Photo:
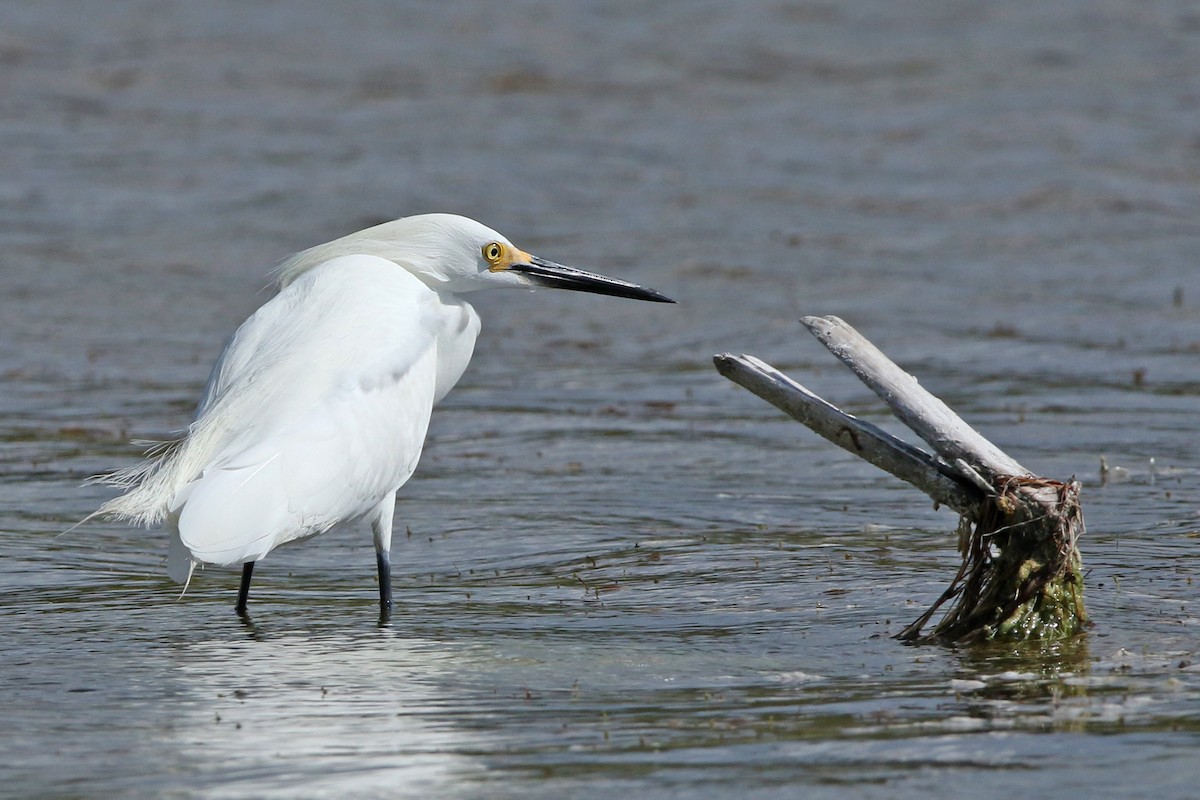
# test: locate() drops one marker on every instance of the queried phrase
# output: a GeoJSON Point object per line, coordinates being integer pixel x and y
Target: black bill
{"type": "Point", "coordinates": [556, 276]}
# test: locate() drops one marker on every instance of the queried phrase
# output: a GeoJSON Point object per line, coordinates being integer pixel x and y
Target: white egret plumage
{"type": "Point", "coordinates": [316, 411]}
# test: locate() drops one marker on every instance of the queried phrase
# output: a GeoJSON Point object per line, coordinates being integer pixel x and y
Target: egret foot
{"type": "Point", "coordinates": [244, 590]}
{"type": "Point", "coordinates": [383, 563]}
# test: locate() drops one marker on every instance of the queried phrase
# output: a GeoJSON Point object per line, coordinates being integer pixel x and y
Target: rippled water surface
{"type": "Point", "coordinates": [616, 572]}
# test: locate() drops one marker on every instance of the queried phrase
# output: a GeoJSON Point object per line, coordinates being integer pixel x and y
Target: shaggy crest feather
{"type": "Point", "coordinates": [418, 244]}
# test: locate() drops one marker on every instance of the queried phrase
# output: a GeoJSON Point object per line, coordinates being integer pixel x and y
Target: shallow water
{"type": "Point", "coordinates": [616, 572]}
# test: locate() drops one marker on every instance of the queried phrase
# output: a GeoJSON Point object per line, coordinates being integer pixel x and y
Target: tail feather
{"type": "Point", "coordinates": [180, 563]}
{"type": "Point", "coordinates": [149, 485]}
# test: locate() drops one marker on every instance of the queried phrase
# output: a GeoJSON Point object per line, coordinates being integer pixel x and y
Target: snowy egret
{"type": "Point", "coordinates": [316, 411]}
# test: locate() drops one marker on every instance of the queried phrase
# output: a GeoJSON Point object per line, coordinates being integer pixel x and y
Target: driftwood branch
{"type": "Point", "coordinates": [869, 442]}
{"type": "Point", "coordinates": [925, 414]}
{"type": "Point", "coordinates": [1021, 574]}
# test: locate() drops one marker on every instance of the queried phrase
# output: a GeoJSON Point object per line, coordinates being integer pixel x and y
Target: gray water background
{"type": "Point", "coordinates": [616, 572]}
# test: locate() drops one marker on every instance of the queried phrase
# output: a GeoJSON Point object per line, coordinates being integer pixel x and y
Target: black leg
{"type": "Point", "coordinates": [244, 591]}
{"type": "Point", "coordinates": [384, 563]}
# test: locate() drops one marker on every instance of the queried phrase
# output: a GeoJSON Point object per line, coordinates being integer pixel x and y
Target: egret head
{"type": "Point", "coordinates": [450, 252]}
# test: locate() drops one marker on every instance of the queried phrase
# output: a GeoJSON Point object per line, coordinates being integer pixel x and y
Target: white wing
{"type": "Point", "coordinates": [316, 411]}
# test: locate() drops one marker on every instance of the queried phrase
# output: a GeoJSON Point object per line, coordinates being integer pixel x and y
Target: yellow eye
{"type": "Point", "coordinates": [493, 252]}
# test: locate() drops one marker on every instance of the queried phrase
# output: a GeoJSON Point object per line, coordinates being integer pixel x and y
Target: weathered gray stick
{"type": "Point", "coordinates": [926, 415]}
{"type": "Point", "coordinates": [867, 441]}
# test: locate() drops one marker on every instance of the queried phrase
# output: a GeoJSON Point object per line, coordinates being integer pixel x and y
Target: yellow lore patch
{"type": "Point", "coordinates": [501, 256]}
